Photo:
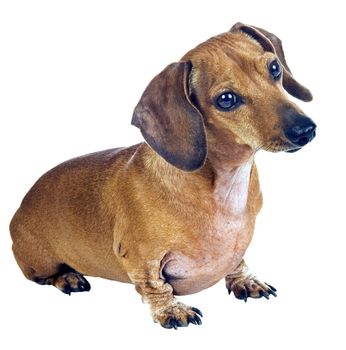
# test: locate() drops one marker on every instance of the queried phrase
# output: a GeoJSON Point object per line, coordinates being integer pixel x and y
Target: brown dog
{"type": "Point", "coordinates": [176, 214]}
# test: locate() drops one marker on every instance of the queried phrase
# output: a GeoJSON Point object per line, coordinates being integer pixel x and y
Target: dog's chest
{"type": "Point", "coordinates": [231, 190]}
{"type": "Point", "coordinates": [221, 243]}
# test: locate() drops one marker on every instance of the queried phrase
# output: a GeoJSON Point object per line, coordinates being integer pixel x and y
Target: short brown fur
{"type": "Point", "coordinates": [176, 214]}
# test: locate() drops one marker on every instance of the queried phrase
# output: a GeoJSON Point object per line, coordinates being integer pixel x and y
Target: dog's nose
{"type": "Point", "coordinates": [302, 131]}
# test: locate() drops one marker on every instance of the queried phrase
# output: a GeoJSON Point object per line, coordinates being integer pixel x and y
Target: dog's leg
{"type": "Point", "coordinates": [64, 277]}
{"type": "Point", "coordinates": [40, 265]}
{"type": "Point", "coordinates": [165, 309]}
{"type": "Point", "coordinates": [246, 285]}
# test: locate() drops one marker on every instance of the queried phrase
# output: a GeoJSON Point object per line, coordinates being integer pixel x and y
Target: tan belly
{"type": "Point", "coordinates": [192, 271]}
{"type": "Point", "coordinates": [188, 275]}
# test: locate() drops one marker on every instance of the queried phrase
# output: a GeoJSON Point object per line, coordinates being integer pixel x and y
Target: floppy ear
{"type": "Point", "coordinates": [272, 43]}
{"type": "Point", "coordinates": [168, 120]}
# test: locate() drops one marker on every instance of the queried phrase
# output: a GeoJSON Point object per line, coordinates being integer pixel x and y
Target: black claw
{"type": "Point", "coordinates": [271, 287]}
{"type": "Point", "coordinates": [180, 323]}
{"type": "Point", "coordinates": [166, 325]}
{"type": "Point", "coordinates": [195, 320]}
{"type": "Point", "coordinates": [191, 319]}
{"type": "Point", "coordinates": [197, 311]}
{"type": "Point", "coordinates": [272, 292]}
{"type": "Point", "coordinates": [87, 286]}
{"type": "Point", "coordinates": [83, 286]}
{"type": "Point", "coordinates": [243, 295]}
{"type": "Point", "coordinates": [263, 294]}
{"type": "Point", "coordinates": [67, 290]}
{"type": "Point", "coordinates": [172, 323]}
{"type": "Point", "coordinates": [198, 320]}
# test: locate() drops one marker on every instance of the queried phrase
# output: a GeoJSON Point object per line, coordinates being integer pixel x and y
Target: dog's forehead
{"type": "Point", "coordinates": [238, 47]}
{"type": "Point", "coordinates": [222, 57]}
{"type": "Point", "coordinates": [237, 41]}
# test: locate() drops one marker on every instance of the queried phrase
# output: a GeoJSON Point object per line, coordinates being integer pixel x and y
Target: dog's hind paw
{"type": "Point", "coordinates": [178, 315]}
{"type": "Point", "coordinates": [70, 282]}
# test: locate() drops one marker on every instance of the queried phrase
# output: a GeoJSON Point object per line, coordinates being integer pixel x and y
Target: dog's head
{"type": "Point", "coordinates": [229, 91]}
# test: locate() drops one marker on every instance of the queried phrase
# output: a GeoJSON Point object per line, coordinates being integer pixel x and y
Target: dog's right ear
{"type": "Point", "coordinates": [168, 120]}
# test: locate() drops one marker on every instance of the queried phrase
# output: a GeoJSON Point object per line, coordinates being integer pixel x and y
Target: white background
{"type": "Point", "coordinates": [71, 74]}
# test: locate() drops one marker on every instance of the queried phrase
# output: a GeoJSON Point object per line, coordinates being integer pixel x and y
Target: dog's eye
{"type": "Point", "coordinates": [228, 100]}
{"type": "Point", "coordinates": [275, 69]}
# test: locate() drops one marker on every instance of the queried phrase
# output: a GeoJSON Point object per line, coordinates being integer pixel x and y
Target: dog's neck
{"type": "Point", "coordinates": [225, 176]}
{"type": "Point", "coordinates": [231, 163]}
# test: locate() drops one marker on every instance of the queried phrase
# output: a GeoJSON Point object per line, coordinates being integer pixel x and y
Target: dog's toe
{"type": "Point", "coordinates": [71, 282]}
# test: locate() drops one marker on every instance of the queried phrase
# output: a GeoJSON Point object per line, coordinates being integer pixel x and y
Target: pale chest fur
{"type": "Point", "coordinates": [231, 189]}
{"type": "Point", "coordinates": [223, 242]}
{"type": "Point", "coordinates": [231, 223]}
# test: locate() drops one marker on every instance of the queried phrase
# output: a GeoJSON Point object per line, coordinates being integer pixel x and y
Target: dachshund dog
{"type": "Point", "coordinates": [175, 214]}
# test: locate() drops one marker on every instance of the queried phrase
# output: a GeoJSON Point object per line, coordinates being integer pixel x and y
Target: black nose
{"type": "Point", "coordinates": [302, 131]}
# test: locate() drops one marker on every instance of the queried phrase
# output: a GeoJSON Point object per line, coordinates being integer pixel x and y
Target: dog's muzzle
{"type": "Point", "coordinates": [301, 131]}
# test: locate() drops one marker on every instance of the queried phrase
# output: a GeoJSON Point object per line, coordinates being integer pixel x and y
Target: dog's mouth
{"type": "Point", "coordinates": [294, 150]}
{"type": "Point", "coordinates": [279, 145]}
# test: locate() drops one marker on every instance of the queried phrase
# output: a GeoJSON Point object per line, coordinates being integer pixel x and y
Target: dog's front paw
{"type": "Point", "coordinates": [249, 287]}
{"type": "Point", "coordinates": [178, 315]}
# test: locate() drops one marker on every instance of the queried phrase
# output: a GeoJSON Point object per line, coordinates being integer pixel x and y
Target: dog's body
{"type": "Point", "coordinates": [177, 216]}
{"type": "Point", "coordinates": [102, 203]}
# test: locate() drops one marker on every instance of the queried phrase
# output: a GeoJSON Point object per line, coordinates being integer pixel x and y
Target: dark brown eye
{"type": "Point", "coordinates": [275, 70]}
{"type": "Point", "coordinates": [227, 101]}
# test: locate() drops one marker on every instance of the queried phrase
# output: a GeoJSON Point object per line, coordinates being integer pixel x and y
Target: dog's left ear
{"type": "Point", "coordinates": [168, 120]}
{"type": "Point", "coordinates": [272, 43]}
